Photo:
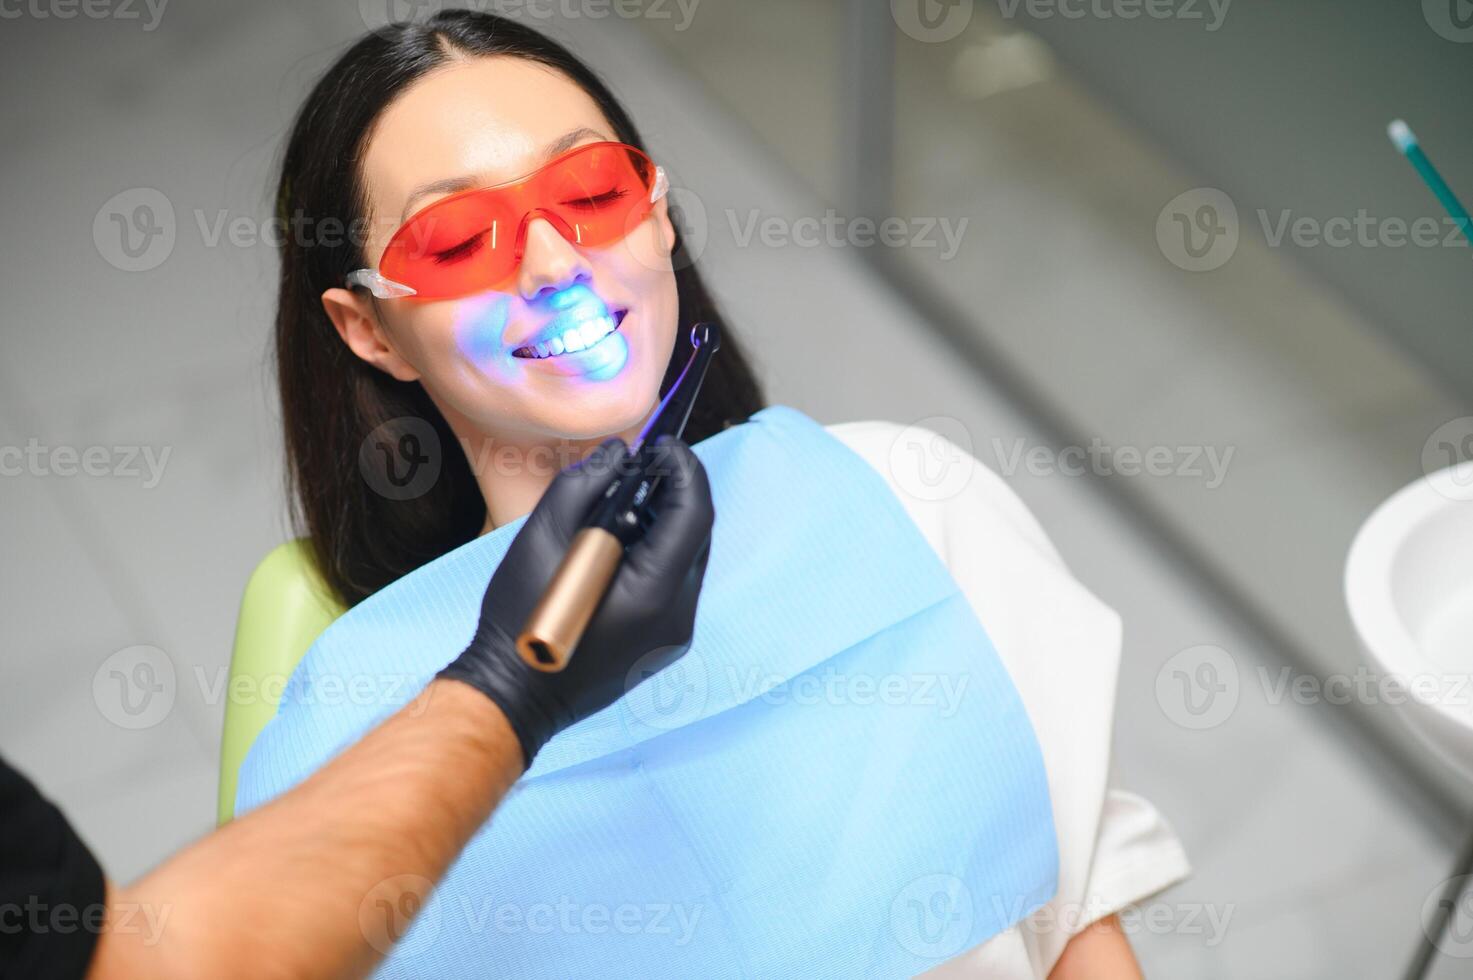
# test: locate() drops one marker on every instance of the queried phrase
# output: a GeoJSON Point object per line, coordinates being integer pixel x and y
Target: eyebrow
{"type": "Point", "coordinates": [562, 144]}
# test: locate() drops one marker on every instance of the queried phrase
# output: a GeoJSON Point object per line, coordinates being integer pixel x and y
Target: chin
{"type": "Point", "coordinates": [610, 409]}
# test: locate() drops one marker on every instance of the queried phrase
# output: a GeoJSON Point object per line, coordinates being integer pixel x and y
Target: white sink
{"type": "Point", "coordinates": [1409, 586]}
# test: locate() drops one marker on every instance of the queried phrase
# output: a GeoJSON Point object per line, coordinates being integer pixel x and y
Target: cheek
{"type": "Point", "coordinates": [645, 271]}
{"type": "Point", "coordinates": [477, 330]}
{"type": "Point", "coordinates": [645, 255]}
{"type": "Point", "coordinates": [451, 342]}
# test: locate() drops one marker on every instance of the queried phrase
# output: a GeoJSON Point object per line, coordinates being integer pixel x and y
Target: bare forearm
{"type": "Point", "coordinates": [297, 887]}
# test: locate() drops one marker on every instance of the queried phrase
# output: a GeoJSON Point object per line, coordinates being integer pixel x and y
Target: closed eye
{"type": "Point", "coordinates": [598, 201]}
{"type": "Point", "coordinates": [457, 252]}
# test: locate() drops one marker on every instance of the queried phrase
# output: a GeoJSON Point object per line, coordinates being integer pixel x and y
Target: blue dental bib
{"type": "Point", "coordinates": [838, 780]}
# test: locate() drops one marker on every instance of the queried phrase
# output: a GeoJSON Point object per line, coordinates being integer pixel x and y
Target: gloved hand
{"type": "Point", "coordinates": [649, 610]}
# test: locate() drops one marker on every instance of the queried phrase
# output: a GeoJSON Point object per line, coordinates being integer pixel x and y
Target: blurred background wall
{"type": "Point", "coordinates": [1050, 286]}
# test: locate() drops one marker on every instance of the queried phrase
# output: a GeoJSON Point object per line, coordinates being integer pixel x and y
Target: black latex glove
{"type": "Point", "coordinates": [648, 612]}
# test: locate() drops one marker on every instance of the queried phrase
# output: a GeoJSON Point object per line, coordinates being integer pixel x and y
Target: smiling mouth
{"type": "Point", "coordinates": [581, 337]}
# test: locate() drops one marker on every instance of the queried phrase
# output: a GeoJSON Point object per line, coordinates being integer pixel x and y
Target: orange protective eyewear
{"type": "Point", "coordinates": [473, 241]}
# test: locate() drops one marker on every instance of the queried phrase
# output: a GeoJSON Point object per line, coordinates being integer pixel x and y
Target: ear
{"type": "Point", "coordinates": [357, 322]}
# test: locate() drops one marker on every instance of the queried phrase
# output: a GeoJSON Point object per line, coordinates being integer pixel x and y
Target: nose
{"type": "Point", "coordinates": [549, 262]}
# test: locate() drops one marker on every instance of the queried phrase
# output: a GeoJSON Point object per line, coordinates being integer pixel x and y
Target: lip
{"type": "Point", "coordinates": [563, 322]}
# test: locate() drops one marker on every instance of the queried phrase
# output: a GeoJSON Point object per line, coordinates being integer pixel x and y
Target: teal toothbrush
{"type": "Point", "coordinates": [1406, 141]}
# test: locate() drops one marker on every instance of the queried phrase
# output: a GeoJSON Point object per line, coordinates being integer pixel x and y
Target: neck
{"type": "Point", "coordinates": [513, 469]}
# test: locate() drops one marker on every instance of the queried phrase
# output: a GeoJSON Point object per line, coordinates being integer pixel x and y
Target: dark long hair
{"type": "Point", "coordinates": [332, 400]}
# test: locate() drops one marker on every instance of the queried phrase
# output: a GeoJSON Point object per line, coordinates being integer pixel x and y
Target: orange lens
{"type": "Point", "coordinates": [472, 241]}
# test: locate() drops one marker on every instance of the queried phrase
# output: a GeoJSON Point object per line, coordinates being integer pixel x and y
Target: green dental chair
{"type": "Point", "coordinates": [285, 608]}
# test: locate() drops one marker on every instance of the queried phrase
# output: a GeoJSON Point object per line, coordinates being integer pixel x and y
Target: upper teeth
{"type": "Point", "coordinates": [580, 337]}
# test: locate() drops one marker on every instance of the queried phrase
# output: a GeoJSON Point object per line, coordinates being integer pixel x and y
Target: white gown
{"type": "Point", "coordinates": [1061, 645]}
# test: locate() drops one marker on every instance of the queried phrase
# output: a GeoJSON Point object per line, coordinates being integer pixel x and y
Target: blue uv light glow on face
{"type": "Point", "coordinates": [597, 354]}
{"type": "Point", "coordinates": [785, 801]}
{"type": "Point", "coordinates": [580, 336]}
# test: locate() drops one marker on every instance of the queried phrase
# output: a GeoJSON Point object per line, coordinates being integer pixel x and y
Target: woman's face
{"type": "Point", "coordinates": [485, 121]}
